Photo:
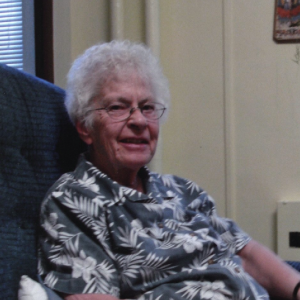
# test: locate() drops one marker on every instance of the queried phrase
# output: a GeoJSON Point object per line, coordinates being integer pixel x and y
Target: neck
{"type": "Point", "coordinates": [131, 180]}
{"type": "Point", "coordinates": [127, 177]}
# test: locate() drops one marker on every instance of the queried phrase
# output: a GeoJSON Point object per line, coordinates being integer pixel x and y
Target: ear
{"type": "Point", "coordinates": [84, 132]}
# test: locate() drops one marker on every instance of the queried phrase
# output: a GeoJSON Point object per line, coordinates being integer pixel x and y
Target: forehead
{"type": "Point", "coordinates": [126, 87]}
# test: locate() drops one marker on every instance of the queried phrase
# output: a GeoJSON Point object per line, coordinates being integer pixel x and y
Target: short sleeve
{"type": "Point", "coordinates": [230, 232]}
{"type": "Point", "coordinates": [227, 229]}
{"type": "Point", "coordinates": [74, 255]}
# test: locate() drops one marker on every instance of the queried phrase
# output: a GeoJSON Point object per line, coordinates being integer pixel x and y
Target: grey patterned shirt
{"type": "Point", "coordinates": [100, 237]}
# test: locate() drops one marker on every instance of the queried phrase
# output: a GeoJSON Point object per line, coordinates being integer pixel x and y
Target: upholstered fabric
{"type": "Point", "coordinates": [295, 264]}
{"type": "Point", "coordinates": [37, 144]}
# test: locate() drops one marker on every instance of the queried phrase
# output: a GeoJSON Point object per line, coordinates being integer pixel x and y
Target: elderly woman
{"type": "Point", "coordinates": [114, 229]}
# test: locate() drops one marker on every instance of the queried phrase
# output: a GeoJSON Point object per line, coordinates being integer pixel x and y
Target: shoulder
{"type": "Point", "coordinates": [179, 184]}
{"type": "Point", "coordinates": [78, 182]}
{"type": "Point", "coordinates": [188, 192]}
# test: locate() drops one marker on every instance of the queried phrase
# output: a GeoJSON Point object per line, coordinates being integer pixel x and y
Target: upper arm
{"type": "Point", "coordinates": [73, 258]}
{"type": "Point", "coordinates": [245, 254]}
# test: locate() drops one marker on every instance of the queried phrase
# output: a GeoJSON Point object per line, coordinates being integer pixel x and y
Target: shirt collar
{"type": "Point", "coordinates": [156, 191]}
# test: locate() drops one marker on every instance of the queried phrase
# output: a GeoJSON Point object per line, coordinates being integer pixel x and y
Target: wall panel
{"type": "Point", "coordinates": [267, 106]}
{"type": "Point", "coordinates": [192, 57]}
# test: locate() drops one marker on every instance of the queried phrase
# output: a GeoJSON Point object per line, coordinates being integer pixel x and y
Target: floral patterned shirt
{"type": "Point", "coordinates": [100, 237]}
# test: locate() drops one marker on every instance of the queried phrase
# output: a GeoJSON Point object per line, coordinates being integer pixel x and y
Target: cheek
{"type": "Point", "coordinates": [110, 143]}
{"type": "Point", "coordinates": [154, 131]}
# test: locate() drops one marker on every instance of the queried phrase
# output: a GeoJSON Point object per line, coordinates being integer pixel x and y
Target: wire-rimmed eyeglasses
{"type": "Point", "coordinates": [120, 112]}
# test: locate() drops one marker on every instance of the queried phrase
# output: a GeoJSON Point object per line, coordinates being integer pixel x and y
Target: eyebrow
{"type": "Point", "coordinates": [106, 101]}
{"type": "Point", "coordinates": [119, 99]}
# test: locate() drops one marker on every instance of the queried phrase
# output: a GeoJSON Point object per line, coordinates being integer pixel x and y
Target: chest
{"type": "Point", "coordinates": [164, 229]}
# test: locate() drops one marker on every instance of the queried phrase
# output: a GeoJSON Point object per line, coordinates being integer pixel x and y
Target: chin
{"type": "Point", "coordinates": [136, 163]}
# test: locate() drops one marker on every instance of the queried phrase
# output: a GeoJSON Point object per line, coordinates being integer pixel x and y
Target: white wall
{"type": "Point", "coordinates": [266, 93]}
{"type": "Point", "coordinates": [192, 57]}
{"type": "Point", "coordinates": [77, 25]}
{"type": "Point", "coordinates": [234, 125]}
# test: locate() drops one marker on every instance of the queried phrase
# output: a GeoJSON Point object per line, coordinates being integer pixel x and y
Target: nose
{"type": "Point", "coordinates": [133, 109]}
{"type": "Point", "coordinates": [136, 117]}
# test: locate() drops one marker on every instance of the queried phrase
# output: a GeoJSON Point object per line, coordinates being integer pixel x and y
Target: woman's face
{"type": "Point", "coordinates": [126, 145]}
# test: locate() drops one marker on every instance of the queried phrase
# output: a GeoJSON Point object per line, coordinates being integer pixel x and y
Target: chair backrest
{"type": "Point", "coordinates": [37, 144]}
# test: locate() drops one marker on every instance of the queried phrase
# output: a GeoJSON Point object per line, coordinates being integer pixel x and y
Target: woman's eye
{"type": "Point", "coordinates": [148, 107]}
{"type": "Point", "coordinates": [116, 107]}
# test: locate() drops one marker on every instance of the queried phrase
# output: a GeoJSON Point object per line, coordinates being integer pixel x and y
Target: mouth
{"type": "Point", "coordinates": [134, 141]}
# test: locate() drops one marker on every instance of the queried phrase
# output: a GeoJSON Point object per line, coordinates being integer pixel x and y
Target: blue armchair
{"type": "Point", "coordinates": [37, 144]}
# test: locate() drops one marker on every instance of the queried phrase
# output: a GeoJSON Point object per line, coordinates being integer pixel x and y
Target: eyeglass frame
{"type": "Point", "coordinates": [131, 111]}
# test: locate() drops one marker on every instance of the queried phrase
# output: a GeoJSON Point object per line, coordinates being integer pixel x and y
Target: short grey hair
{"type": "Point", "coordinates": [91, 71]}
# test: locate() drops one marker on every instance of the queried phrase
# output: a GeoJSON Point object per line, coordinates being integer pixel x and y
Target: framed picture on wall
{"type": "Point", "coordinates": [287, 20]}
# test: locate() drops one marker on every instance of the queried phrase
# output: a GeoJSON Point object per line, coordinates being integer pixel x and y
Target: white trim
{"type": "Point", "coordinates": [229, 113]}
{"type": "Point", "coordinates": [153, 41]}
{"type": "Point", "coordinates": [117, 19]}
{"type": "Point", "coordinates": [152, 25]}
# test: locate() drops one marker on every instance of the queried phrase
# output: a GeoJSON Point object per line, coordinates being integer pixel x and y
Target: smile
{"type": "Point", "coordinates": [134, 141]}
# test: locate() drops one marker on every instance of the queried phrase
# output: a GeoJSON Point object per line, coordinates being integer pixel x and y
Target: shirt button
{"type": "Point", "coordinates": [160, 225]}
{"type": "Point", "coordinates": [237, 270]}
{"type": "Point", "coordinates": [192, 234]}
{"type": "Point", "coordinates": [211, 261]}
